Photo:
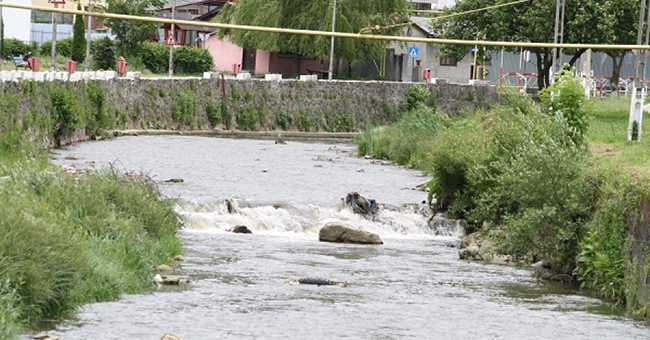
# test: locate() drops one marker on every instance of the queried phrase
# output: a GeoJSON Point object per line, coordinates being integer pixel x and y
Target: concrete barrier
{"type": "Point", "coordinates": [273, 76]}
{"type": "Point", "coordinates": [133, 75]}
{"type": "Point", "coordinates": [309, 77]}
{"type": "Point", "coordinates": [243, 76]}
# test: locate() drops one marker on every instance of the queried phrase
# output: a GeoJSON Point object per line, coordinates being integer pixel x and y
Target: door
{"type": "Point", "coordinates": [248, 62]}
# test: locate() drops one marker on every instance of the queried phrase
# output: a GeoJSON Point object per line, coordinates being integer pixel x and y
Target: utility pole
{"type": "Point", "coordinates": [639, 89]}
{"type": "Point", "coordinates": [2, 33]}
{"type": "Point", "coordinates": [171, 47]}
{"type": "Point", "coordinates": [89, 19]}
{"type": "Point", "coordinates": [559, 37]}
{"type": "Point", "coordinates": [53, 63]}
{"type": "Point", "coordinates": [331, 69]}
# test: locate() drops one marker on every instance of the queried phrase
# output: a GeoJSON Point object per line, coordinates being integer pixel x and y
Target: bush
{"type": "Point", "coordinates": [566, 98]}
{"type": "Point", "coordinates": [155, 57]}
{"type": "Point", "coordinates": [192, 60]}
{"type": "Point", "coordinates": [283, 120]}
{"type": "Point", "coordinates": [247, 118]}
{"type": "Point", "coordinates": [417, 95]}
{"type": "Point", "coordinates": [63, 48]}
{"type": "Point", "coordinates": [104, 54]}
{"type": "Point", "coordinates": [186, 59]}
{"type": "Point", "coordinates": [184, 109]}
{"type": "Point", "coordinates": [14, 47]}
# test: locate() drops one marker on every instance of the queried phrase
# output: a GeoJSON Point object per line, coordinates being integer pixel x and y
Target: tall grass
{"type": "Point", "coordinates": [67, 240]}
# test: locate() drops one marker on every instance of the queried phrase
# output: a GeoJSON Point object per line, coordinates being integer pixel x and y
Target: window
{"type": "Point", "coordinates": [193, 11]}
{"type": "Point", "coordinates": [448, 61]}
{"type": "Point", "coordinates": [422, 6]}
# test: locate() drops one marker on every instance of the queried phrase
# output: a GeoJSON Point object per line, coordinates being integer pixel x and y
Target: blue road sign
{"type": "Point", "coordinates": [413, 51]}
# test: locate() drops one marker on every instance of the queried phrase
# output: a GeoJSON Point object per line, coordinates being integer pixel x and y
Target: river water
{"type": "Point", "coordinates": [411, 287]}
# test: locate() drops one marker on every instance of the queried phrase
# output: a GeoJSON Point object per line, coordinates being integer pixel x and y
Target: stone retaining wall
{"type": "Point", "coordinates": [338, 106]}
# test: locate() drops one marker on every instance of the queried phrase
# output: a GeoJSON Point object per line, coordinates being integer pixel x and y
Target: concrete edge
{"type": "Point", "coordinates": [238, 134]}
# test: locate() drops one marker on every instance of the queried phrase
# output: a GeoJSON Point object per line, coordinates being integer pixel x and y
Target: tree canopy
{"type": "Point", "coordinates": [130, 33]}
{"type": "Point", "coordinates": [585, 21]}
{"type": "Point", "coordinates": [352, 16]}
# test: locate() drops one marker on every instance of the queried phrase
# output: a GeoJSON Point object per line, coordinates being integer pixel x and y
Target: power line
{"type": "Point", "coordinates": [367, 29]}
{"type": "Point", "coordinates": [330, 34]}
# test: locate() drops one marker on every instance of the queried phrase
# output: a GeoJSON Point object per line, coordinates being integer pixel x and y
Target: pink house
{"type": "Point", "coordinates": [229, 57]}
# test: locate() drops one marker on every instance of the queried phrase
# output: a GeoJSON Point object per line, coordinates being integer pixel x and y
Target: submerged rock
{"type": "Point", "coordinates": [241, 229]}
{"type": "Point", "coordinates": [171, 279]}
{"type": "Point", "coordinates": [337, 233]}
{"type": "Point", "coordinates": [318, 281]}
{"type": "Point", "coordinates": [170, 336]}
{"type": "Point", "coordinates": [164, 269]}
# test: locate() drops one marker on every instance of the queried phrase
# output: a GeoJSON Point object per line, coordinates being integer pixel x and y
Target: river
{"type": "Point", "coordinates": [411, 287]}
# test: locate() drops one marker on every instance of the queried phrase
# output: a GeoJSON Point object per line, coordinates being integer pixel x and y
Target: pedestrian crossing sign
{"type": "Point", "coordinates": [414, 51]}
{"type": "Point", "coordinates": [56, 2]}
{"type": "Point", "coordinates": [170, 40]}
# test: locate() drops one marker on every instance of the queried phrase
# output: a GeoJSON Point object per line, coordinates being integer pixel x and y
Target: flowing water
{"type": "Point", "coordinates": [411, 287]}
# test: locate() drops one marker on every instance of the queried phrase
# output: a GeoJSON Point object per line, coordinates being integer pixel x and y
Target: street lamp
{"type": "Point", "coordinates": [329, 74]}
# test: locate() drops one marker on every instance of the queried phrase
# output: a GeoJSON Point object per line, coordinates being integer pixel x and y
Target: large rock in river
{"type": "Point", "coordinates": [333, 232]}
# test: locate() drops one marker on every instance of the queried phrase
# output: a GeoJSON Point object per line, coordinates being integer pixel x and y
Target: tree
{"type": "Point", "coordinates": [586, 21]}
{"type": "Point", "coordinates": [352, 16]}
{"type": "Point", "coordinates": [131, 34]}
{"type": "Point", "coordinates": [79, 38]}
{"type": "Point", "coordinates": [104, 54]}
{"type": "Point", "coordinates": [626, 24]}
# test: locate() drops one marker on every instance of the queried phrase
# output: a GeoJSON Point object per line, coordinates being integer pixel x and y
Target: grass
{"type": "Point", "coordinates": [607, 138]}
{"type": "Point", "coordinates": [67, 240]}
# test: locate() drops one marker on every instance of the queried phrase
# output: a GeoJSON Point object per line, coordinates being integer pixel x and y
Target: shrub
{"type": "Point", "coordinates": [566, 98]}
{"type": "Point", "coordinates": [417, 95]}
{"type": "Point", "coordinates": [155, 57]}
{"type": "Point", "coordinates": [14, 47]}
{"type": "Point", "coordinates": [184, 109]}
{"type": "Point", "coordinates": [247, 118]}
{"type": "Point", "coordinates": [303, 122]}
{"type": "Point", "coordinates": [104, 54]}
{"type": "Point", "coordinates": [213, 111]}
{"type": "Point", "coordinates": [284, 119]}
{"type": "Point", "coordinates": [97, 117]}
{"type": "Point", "coordinates": [65, 112]}
{"type": "Point", "coordinates": [192, 60]}
{"type": "Point", "coordinates": [63, 48]}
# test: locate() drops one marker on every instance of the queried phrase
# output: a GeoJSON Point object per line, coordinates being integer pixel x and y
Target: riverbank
{"type": "Point", "coordinates": [68, 239]}
{"type": "Point", "coordinates": [526, 178]}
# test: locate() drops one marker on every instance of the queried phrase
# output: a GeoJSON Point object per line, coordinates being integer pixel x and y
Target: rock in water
{"type": "Point", "coordinates": [333, 232]}
{"type": "Point", "coordinates": [170, 336]}
{"type": "Point", "coordinates": [241, 229]}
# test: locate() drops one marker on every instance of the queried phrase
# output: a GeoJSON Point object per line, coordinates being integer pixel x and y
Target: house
{"type": "Point", "coordinates": [410, 68]}
{"type": "Point", "coordinates": [16, 21]}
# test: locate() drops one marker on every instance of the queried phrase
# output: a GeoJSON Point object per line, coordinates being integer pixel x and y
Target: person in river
{"type": "Point", "coordinates": [360, 204]}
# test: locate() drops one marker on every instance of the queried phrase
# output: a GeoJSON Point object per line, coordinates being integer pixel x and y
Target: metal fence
{"type": "Point", "coordinates": [41, 33]}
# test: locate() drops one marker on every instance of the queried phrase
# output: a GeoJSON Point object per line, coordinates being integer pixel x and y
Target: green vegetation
{"type": "Point", "coordinates": [66, 239]}
{"type": "Point", "coordinates": [523, 174]}
{"type": "Point", "coordinates": [78, 50]}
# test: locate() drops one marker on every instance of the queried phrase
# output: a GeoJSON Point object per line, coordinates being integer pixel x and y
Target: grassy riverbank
{"type": "Point", "coordinates": [547, 183]}
{"type": "Point", "coordinates": [67, 240]}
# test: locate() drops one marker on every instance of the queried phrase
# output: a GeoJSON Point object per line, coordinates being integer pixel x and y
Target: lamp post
{"type": "Point", "coordinates": [331, 69]}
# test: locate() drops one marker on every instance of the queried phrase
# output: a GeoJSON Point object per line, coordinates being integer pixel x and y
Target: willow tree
{"type": "Point", "coordinates": [352, 16]}
{"type": "Point", "coordinates": [585, 21]}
